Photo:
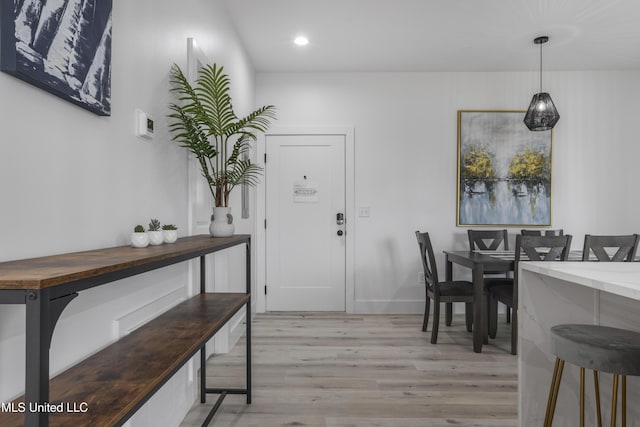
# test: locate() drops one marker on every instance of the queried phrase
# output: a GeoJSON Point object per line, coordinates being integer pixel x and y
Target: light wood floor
{"type": "Point", "coordinates": [341, 370]}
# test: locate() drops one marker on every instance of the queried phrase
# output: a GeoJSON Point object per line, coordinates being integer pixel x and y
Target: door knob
{"type": "Point", "coordinates": [340, 232]}
{"type": "Point", "coordinates": [340, 218]}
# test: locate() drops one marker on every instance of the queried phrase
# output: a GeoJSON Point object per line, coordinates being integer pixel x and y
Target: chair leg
{"type": "Point", "coordinates": [614, 400]}
{"type": "Point", "coordinates": [514, 330]}
{"type": "Point", "coordinates": [596, 386]}
{"type": "Point", "coordinates": [436, 321]}
{"type": "Point", "coordinates": [448, 314]}
{"type": "Point", "coordinates": [425, 322]}
{"type": "Point", "coordinates": [492, 316]}
{"type": "Point", "coordinates": [553, 392]}
{"type": "Point", "coordinates": [468, 315]}
{"type": "Point", "coordinates": [508, 313]}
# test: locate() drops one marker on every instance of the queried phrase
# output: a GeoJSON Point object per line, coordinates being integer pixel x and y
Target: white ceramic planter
{"type": "Point", "coordinates": [221, 222]}
{"type": "Point", "coordinates": [156, 237]}
{"type": "Point", "coordinates": [139, 240]}
{"type": "Point", "coordinates": [170, 236]}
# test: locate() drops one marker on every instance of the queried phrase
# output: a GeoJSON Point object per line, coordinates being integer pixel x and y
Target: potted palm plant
{"type": "Point", "coordinates": [203, 122]}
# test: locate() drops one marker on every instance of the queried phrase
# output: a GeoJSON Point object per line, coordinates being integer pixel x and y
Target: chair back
{"type": "Point", "coordinates": [488, 240]}
{"type": "Point", "coordinates": [539, 248]}
{"type": "Point", "coordinates": [542, 248]}
{"type": "Point", "coordinates": [428, 261]}
{"type": "Point", "coordinates": [625, 247]}
{"type": "Point", "coordinates": [558, 232]}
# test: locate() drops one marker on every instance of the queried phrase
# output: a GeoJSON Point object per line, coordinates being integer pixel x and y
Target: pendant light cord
{"type": "Point", "coordinates": [540, 67]}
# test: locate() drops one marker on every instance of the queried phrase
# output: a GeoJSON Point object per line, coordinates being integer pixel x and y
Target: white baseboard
{"type": "Point", "coordinates": [389, 307]}
{"type": "Point", "coordinates": [237, 328]}
{"type": "Point", "coordinates": [403, 307]}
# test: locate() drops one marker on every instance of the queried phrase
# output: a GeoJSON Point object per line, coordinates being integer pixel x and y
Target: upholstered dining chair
{"type": "Point", "coordinates": [528, 248]}
{"type": "Point", "coordinates": [610, 248]}
{"type": "Point", "coordinates": [441, 291]}
{"type": "Point", "coordinates": [491, 240]}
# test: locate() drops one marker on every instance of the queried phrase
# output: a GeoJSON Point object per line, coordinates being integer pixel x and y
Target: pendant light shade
{"type": "Point", "coordinates": [542, 114]}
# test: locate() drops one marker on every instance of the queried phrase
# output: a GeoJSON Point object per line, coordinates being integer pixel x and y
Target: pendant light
{"type": "Point", "coordinates": [542, 114]}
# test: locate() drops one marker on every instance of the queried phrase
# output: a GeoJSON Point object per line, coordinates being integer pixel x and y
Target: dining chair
{"type": "Point", "coordinates": [441, 291]}
{"type": "Point", "coordinates": [491, 240]}
{"type": "Point", "coordinates": [488, 240]}
{"type": "Point", "coordinates": [528, 248]}
{"type": "Point", "coordinates": [610, 248]}
{"type": "Point", "coordinates": [547, 232]}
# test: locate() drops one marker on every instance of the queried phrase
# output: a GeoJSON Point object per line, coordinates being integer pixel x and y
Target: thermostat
{"type": "Point", "coordinates": [144, 124]}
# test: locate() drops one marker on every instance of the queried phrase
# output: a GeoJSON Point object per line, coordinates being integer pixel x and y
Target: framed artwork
{"type": "Point", "coordinates": [504, 170]}
{"type": "Point", "coordinates": [61, 46]}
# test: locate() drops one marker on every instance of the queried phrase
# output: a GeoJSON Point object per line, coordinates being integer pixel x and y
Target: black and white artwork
{"type": "Point", "coordinates": [61, 46]}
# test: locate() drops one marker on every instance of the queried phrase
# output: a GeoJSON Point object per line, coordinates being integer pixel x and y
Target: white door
{"type": "Point", "coordinates": [305, 240]}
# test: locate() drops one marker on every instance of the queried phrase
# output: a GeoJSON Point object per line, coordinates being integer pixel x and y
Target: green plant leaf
{"type": "Point", "coordinates": [203, 122]}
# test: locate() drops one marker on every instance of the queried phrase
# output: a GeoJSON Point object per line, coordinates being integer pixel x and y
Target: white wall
{"type": "Point", "coordinates": [71, 180]}
{"type": "Point", "coordinates": [405, 162]}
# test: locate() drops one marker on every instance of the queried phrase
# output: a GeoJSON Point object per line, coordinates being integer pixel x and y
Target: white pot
{"type": "Point", "coordinates": [170, 236]}
{"type": "Point", "coordinates": [156, 237]}
{"type": "Point", "coordinates": [139, 240]}
{"type": "Point", "coordinates": [221, 222]}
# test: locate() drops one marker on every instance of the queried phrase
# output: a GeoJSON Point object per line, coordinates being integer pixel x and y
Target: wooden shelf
{"type": "Point", "coordinates": [55, 270]}
{"type": "Point", "coordinates": [116, 381]}
{"type": "Point", "coordinates": [119, 379]}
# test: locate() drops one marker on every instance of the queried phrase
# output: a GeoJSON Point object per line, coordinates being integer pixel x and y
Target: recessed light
{"type": "Point", "coordinates": [301, 41]}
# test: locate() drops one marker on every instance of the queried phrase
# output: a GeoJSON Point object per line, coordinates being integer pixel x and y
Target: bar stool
{"type": "Point", "coordinates": [599, 348]}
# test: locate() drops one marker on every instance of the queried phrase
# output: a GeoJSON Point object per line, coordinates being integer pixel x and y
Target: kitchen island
{"type": "Point", "coordinates": [552, 293]}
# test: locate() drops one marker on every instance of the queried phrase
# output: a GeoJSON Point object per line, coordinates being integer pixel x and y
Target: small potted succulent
{"type": "Point", "coordinates": [170, 233]}
{"type": "Point", "coordinates": [139, 237]}
{"type": "Point", "coordinates": [155, 233]}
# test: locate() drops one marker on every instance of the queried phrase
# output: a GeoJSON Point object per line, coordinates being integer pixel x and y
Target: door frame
{"type": "Point", "coordinates": [260, 237]}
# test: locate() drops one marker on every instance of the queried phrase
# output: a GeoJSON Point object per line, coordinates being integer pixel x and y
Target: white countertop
{"type": "Point", "coordinates": [619, 278]}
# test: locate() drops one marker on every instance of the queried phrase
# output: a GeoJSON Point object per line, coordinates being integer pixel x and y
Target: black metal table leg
{"type": "Point", "coordinates": [37, 356]}
{"type": "Point", "coordinates": [248, 320]}
{"type": "Point", "coordinates": [42, 314]}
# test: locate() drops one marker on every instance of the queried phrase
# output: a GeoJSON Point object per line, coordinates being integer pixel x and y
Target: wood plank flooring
{"type": "Point", "coordinates": [344, 370]}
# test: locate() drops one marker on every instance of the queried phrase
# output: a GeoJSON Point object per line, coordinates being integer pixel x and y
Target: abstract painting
{"type": "Point", "coordinates": [504, 170]}
{"type": "Point", "coordinates": [61, 46]}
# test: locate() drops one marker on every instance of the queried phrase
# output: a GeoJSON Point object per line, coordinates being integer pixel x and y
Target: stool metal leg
{"type": "Point", "coordinates": [614, 400]}
{"type": "Point", "coordinates": [581, 397]}
{"type": "Point", "coordinates": [596, 385]}
{"type": "Point", "coordinates": [624, 401]}
{"type": "Point", "coordinates": [553, 392]}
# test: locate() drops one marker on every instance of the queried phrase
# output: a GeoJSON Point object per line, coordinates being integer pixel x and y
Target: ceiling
{"type": "Point", "coordinates": [438, 35]}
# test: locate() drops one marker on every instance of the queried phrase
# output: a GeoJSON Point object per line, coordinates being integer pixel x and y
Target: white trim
{"type": "Point", "coordinates": [350, 210]}
{"type": "Point", "coordinates": [195, 55]}
{"type": "Point", "coordinates": [389, 307]}
{"type": "Point", "coordinates": [139, 316]}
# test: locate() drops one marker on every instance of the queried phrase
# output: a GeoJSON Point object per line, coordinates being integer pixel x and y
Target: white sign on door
{"type": "Point", "coordinates": [305, 192]}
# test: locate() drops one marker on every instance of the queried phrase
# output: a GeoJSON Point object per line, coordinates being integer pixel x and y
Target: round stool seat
{"type": "Point", "coordinates": [600, 348]}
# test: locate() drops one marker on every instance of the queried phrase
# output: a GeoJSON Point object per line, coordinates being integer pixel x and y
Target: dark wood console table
{"type": "Point", "coordinates": [108, 387]}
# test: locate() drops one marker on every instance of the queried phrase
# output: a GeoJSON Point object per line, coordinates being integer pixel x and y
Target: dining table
{"type": "Point", "coordinates": [479, 262]}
